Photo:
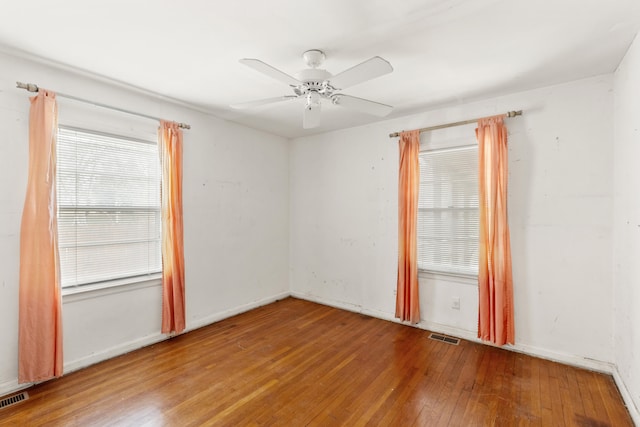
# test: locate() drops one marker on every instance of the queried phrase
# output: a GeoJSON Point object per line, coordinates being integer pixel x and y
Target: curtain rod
{"type": "Point", "coordinates": [34, 88]}
{"type": "Point", "coordinates": [464, 122]}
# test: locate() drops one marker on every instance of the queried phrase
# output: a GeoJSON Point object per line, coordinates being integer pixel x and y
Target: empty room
{"type": "Point", "coordinates": [291, 213]}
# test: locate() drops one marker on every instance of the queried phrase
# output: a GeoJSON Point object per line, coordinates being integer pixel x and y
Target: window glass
{"type": "Point", "coordinates": [448, 211]}
{"type": "Point", "coordinates": [109, 223]}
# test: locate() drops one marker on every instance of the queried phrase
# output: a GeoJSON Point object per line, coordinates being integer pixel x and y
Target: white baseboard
{"type": "Point", "coordinates": [112, 352]}
{"type": "Point", "coordinates": [626, 396]}
{"type": "Point", "coordinates": [9, 387]}
{"type": "Point", "coordinates": [567, 359]}
{"type": "Point", "coordinates": [156, 338]}
{"type": "Point", "coordinates": [12, 386]}
{"type": "Point", "coordinates": [234, 311]}
{"type": "Point", "coordinates": [330, 302]}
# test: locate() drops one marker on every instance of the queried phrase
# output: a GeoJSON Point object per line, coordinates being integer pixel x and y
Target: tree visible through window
{"type": "Point", "coordinates": [109, 223]}
{"type": "Point", "coordinates": [448, 211]}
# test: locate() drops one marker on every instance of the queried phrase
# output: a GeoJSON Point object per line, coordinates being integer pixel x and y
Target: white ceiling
{"type": "Point", "coordinates": [443, 51]}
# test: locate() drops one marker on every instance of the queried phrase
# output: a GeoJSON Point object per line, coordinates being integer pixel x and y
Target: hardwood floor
{"type": "Point", "coordinates": [296, 363]}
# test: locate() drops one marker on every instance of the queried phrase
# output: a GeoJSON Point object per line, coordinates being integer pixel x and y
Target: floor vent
{"type": "Point", "coordinates": [13, 399]}
{"type": "Point", "coordinates": [448, 340]}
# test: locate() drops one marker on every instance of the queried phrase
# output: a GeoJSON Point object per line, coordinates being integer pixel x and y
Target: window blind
{"type": "Point", "coordinates": [109, 224]}
{"type": "Point", "coordinates": [448, 211]}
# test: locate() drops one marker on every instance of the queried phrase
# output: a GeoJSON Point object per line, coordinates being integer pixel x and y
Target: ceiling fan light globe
{"type": "Point", "coordinates": [313, 100]}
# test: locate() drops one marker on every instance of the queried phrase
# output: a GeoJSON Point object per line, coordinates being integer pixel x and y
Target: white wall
{"type": "Point", "coordinates": [325, 208]}
{"type": "Point", "coordinates": [235, 215]}
{"type": "Point", "coordinates": [344, 220]}
{"type": "Point", "coordinates": [626, 227]}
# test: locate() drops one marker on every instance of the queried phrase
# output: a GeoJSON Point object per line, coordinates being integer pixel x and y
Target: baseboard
{"type": "Point", "coordinates": [12, 386]}
{"type": "Point", "coordinates": [112, 352]}
{"type": "Point", "coordinates": [626, 396]}
{"type": "Point", "coordinates": [205, 321]}
{"type": "Point", "coordinates": [567, 359]}
{"type": "Point", "coordinates": [9, 387]}
{"type": "Point", "coordinates": [331, 303]}
{"type": "Point", "coordinates": [156, 338]}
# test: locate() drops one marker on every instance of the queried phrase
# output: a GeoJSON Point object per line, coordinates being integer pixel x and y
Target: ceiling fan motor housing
{"type": "Point", "coordinates": [314, 80]}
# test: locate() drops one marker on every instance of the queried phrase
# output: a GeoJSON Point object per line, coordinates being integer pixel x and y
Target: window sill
{"type": "Point", "coordinates": [465, 279]}
{"type": "Point", "coordinates": [81, 292]}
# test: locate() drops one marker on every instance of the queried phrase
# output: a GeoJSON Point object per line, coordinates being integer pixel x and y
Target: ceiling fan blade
{"type": "Point", "coordinates": [260, 102]}
{"type": "Point", "coordinates": [362, 105]}
{"type": "Point", "coordinates": [367, 70]}
{"type": "Point", "coordinates": [268, 70]}
{"type": "Point", "coordinates": [311, 116]}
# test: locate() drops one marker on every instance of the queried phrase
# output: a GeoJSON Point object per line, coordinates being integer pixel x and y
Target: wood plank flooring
{"type": "Point", "coordinates": [296, 363]}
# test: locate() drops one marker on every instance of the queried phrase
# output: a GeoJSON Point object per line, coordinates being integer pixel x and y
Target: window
{"type": "Point", "coordinates": [109, 224]}
{"type": "Point", "coordinates": [448, 211]}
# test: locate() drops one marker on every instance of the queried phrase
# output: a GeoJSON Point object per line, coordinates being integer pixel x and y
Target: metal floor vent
{"type": "Point", "coordinates": [13, 399]}
{"type": "Point", "coordinates": [448, 340]}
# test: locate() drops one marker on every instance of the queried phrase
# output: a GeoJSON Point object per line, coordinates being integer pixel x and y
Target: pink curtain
{"type": "Point", "coordinates": [495, 284]}
{"type": "Point", "coordinates": [40, 305]}
{"type": "Point", "coordinates": [407, 301]}
{"type": "Point", "coordinates": [173, 298]}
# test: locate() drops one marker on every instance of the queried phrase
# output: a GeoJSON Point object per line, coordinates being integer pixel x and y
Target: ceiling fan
{"type": "Point", "coordinates": [315, 84]}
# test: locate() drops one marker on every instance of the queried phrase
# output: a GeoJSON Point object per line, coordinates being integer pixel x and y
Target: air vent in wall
{"type": "Point", "coordinates": [17, 398]}
{"type": "Point", "coordinates": [448, 340]}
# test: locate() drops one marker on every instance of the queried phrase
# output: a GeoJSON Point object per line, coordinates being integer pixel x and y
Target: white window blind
{"type": "Point", "coordinates": [109, 224]}
{"type": "Point", "coordinates": [448, 211]}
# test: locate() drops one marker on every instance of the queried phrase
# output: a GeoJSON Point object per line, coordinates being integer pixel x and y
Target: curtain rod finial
{"type": "Point", "coordinates": [28, 86]}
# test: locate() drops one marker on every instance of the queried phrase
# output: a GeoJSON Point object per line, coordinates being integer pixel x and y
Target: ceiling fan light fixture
{"type": "Point", "coordinates": [313, 100]}
{"type": "Point", "coordinates": [311, 113]}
